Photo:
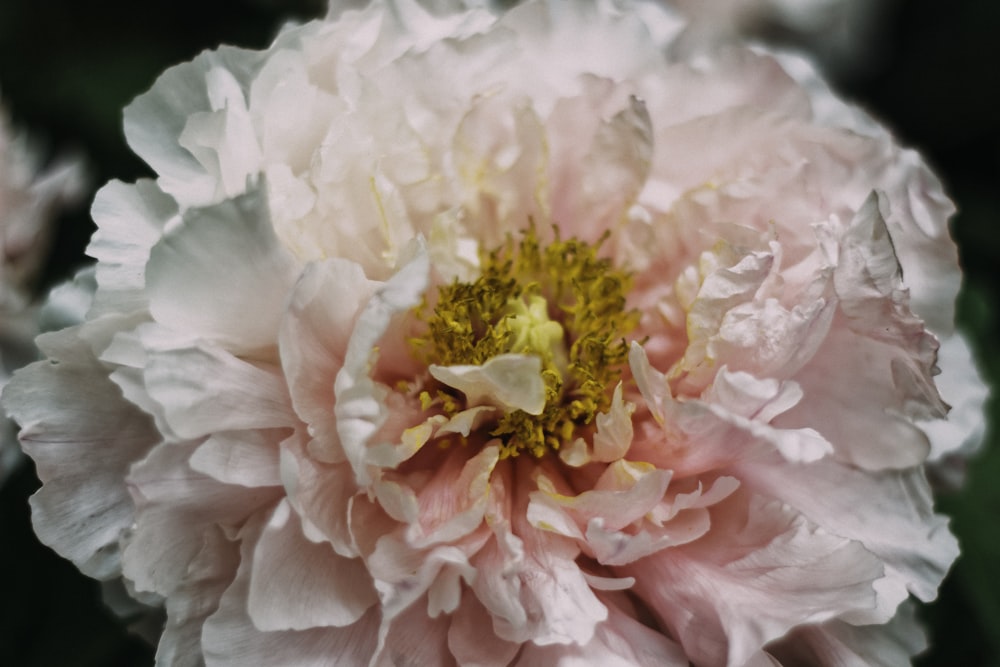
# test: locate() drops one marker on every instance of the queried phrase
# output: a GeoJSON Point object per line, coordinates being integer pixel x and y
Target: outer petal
{"type": "Point", "coordinates": [839, 644]}
{"type": "Point", "coordinates": [208, 576]}
{"type": "Point", "coordinates": [747, 585]}
{"type": "Point", "coordinates": [414, 638]}
{"type": "Point", "coordinates": [83, 437]}
{"type": "Point", "coordinates": [130, 220]}
{"type": "Point", "coordinates": [229, 637]}
{"type": "Point", "coordinates": [296, 584]}
{"type": "Point", "coordinates": [245, 458]}
{"type": "Point", "coordinates": [963, 388]}
{"type": "Point", "coordinates": [235, 297]}
{"type": "Point", "coordinates": [175, 506]}
{"type": "Point", "coordinates": [204, 390]}
{"type": "Point", "coordinates": [899, 514]}
{"type": "Point", "coordinates": [155, 121]}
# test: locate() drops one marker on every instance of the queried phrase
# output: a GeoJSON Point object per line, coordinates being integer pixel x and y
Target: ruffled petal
{"type": "Point", "coordinates": [324, 306]}
{"type": "Point", "coordinates": [235, 298]}
{"type": "Point", "coordinates": [727, 596]}
{"type": "Point", "coordinates": [155, 121]}
{"type": "Point", "coordinates": [209, 574]}
{"type": "Point", "coordinates": [82, 449]}
{"type": "Point", "coordinates": [899, 514]}
{"type": "Point", "coordinates": [175, 505]}
{"type": "Point", "coordinates": [229, 637]}
{"type": "Point", "coordinates": [959, 436]}
{"type": "Point", "coordinates": [358, 409]}
{"type": "Point", "coordinates": [621, 641]}
{"type": "Point", "coordinates": [472, 640]}
{"type": "Point", "coordinates": [844, 645]}
{"type": "Point", "coordinates": [130, 220]}
{"type": "Point", "coordinates": [204, 390]}
{"type": "Point", "coordinates": [244, 458]}
{"type": "Point", "coordinates": [509, 381]}
{"type": "Point", "coordinates": [296, 584]}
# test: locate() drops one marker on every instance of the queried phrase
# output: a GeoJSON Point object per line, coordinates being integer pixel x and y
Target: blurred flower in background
{"type": "Point", "coordinates": [496, 338]}
{"type": "Point", "coordinates": [30, 196]}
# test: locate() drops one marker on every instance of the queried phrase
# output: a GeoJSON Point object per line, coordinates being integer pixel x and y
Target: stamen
{"type": "Point", "coordinates": [560, 302]}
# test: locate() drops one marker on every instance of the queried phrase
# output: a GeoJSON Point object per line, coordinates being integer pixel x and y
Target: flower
{"type": "Point", "coordinates": [447, 336]}
{"type": "Point", "coordinates": [29, 198]}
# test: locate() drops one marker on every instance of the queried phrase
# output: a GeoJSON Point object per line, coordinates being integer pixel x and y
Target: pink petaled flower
{"type": "Point", "coordinates": [29, 198]}
{"type": "Point", "coordinates": [461, 337]}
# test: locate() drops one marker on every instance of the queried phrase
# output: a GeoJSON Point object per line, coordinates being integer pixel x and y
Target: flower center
{"type": "Point", "coordinates": [560, 303]}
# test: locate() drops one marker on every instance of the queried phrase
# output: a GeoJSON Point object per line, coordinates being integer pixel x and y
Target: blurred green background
{"type": "Point", "coordinates": [67, 68]}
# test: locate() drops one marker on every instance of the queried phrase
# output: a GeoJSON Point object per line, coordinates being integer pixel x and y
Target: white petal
{"type": "Point", "coordinates": [205, 390]}
{"type": "Point", "coordinates": [223, 140]}
{"type": "Point", "coordinates": [532, 584]}
{"type": "Point", "coordinates": [898, 514]}
{"type": "Point", "coordinates": [83, 437]}
{"type": "Point", "coordinates": [614, 429]}
{"type": "Point", "coordinates": [962, 386]}
{"type": "Point", "coordinates": [508, 381]}
{"type": "Point", "coordinates": [404, 574]}
{"type": "Point", "coordinates": [750, 404]}
{"type": "Point", "coordinates": [130, 220]}
{"type": "Point", "coordinates": [598, 166]}
{"type": "Point", "coordinates": [175, 505]}
{"type": "Point", "coordinates": [853, 375]}
{"type": "Point", "coordinates": [246, 458]}
{"type": "Point", "coordinates": [208, 576]}
{"type": "Point", "coordinates": [155, 120]}
{"type": "Point", "coordinates": [471, 638]}
{"type": "Point", "coordinates": [235, 296]}
{"type": "Point", "coordinates": [322, 494]}
{"type": "Point", "coordinates": [296, 584]}
{"type": "Point", "coordinates": [838, 643]}
{"type": "Point", "coordinates": [229, 638]}
{"type": "Point", "coordinates": [624, 493]}
{"type": "Point", "coordinates": [414, 638]}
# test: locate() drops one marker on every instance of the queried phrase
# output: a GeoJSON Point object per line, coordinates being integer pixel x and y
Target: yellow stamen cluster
{"type": "Point", "coordinates": [560, 302]}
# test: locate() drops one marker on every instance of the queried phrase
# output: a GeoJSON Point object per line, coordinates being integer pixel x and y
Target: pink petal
{"type": "Point", "coordinates": [313, 340]}
{"type": "Point", "coordinates": [620, 641]}
{"type": "Point", "coordinates": [472, 640]}
{"type": "Point", "coordinates": [748, 584]}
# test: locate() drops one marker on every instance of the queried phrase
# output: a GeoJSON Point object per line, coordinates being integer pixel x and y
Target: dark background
{"type": "Point", "coordinates": [67, 68]}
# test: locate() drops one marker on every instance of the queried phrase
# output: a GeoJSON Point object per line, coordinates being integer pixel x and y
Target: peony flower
{"type": "Point", "coordinates": [29, 197]}
{"type": "Point", "coordinates": [446, 336]}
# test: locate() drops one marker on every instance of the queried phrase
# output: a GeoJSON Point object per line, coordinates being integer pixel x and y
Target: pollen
{"type": "Point", "coordinates": [561, 302]}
